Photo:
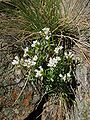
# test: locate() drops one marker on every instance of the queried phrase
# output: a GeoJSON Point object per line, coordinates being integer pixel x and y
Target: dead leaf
{"type": "Point", "coordinates": [27, 99]}
{"type": "Point", "coordinates": [14, 95]}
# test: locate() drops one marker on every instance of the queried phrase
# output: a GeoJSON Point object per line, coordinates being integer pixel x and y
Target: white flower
{"type": "Point", "coordinates": [57, 49]}
{"type": "Point", "coordinates": [16, 57]}
{"type": "Point", "coordinates": [58, 58]}
{"type": "Point", "coordinates": [64, 78]}
{"type": "Point", "coordinates": [16, 61]}
{"type": "Point", "coordinates": [26, 49]}
{"type": "Point", "coordinates": [35, 58]}
{"type": "Point", "coordinates": [39, 72]}
{"type": "Point", "coordinates": [60, 75]}
{"type": "Point", "coordinates": [46, 30]}
{"type": "Point", "coordinates": [25, 52]}
{"type": "Point", "coordinates": [40, 67]}
{"type": "Point", "coordinates": [33, 63]}
{"type": "Point", "coordinates": [68, 75]}
{"type": "Point", "coordinates": [21, 61]}
{"type": "Point", "coordinates": [27, 62]}
{"type": "Point", "coordinates": [47, 33]}
{"type": "Point", "coordinates": [55, 60]}
{"type": "Point", "coordinates": [35, 43]}
{"type": "Point", "coordinates": [68, 55]}
{"type": "Point", "coordinates": [47, 37]}
{"type": "Point", "coordinates": [71, 54]}
{"type": "Point", "coordinates": [65, 54]}
{"type": "Point", "coordinates": [52, 62]}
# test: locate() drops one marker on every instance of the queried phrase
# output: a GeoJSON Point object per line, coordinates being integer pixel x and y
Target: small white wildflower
{"type": "Point", "coordinates": [68, 55]}
{"type": "Point", "coordinates": [27, 62]}
{"type": "Point", "coordinates": [16, 57]}
{"type": "Point", "coordinates": [64, 78]}
{"type": "Point", "coordinates": [58, 58]}
{"type": "Point", "coordinates": [65, 54]}
{"type": "Point", "coordinates": [25, 51]}
{"type": "Point", "coordinates": [16, 61]}
{"type": "Point", "coordinates": [35, 43]}
{"type": "Point", "coordinates": [57, 49]}
{"type": "Point", "coordinates": [39, 72]}
{"type": "Point", "coordinates": [40, 67]}
{"type": "Point", "coordinates": [55, 60]}
{"type": "Point", "coordinates": [46, 30]}
{"type": "Point", "coordinates": [33, 63]}
{"type": "Point", "coordinates": [52, 62]}
{"type": "Point", "coordinates": [47, 37]}
{"type": "Point", "coordinates": [60, 75]}
{"type": "Point", "coordinates": [71, 54]}
{"type": "Point", "coordinates": [35, 58]}
{"type": "Point", "coordinates": [68, 75]}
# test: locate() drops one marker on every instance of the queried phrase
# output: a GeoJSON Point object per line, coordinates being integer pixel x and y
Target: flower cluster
{"type": "Point", "coordinates": [26, 62]}
{"type": "Point", "coordinates": [15, 61]}
{"type": "Point", "coordinates": [57, 49]}
{"type": "Point", "coordinates": [53, 65]}
{"type": "Point", "coordinates": [53, 61]}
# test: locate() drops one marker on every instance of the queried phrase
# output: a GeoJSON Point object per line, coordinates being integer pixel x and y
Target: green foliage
{"type": "Point", "coordinates": [40, 13]}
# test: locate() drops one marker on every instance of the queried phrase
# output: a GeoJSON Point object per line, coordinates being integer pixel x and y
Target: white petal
{"type": "Point", "coordinates": [33, 45]}
{"type": "Point", "coordinates": [15, 62]}
{"type": "Point", "coordinates": [35, 58]}
{"type": "Point", "coordinates": [33, 63]}
{"type": "Point", "coordinates": [68, 75]}
{"type": "Point", "coordinates": [60, 75]}
{"type": "Point", "coordinates": [16, 57]}
{"type": "Point", "coordinates": [65, 54]}
{"type": "Point", "coordinates": [58, 58]}
{"type": "Point", "coordinates": [47, 37]}
{"type": "Point", "coordinates": [26, 49]}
